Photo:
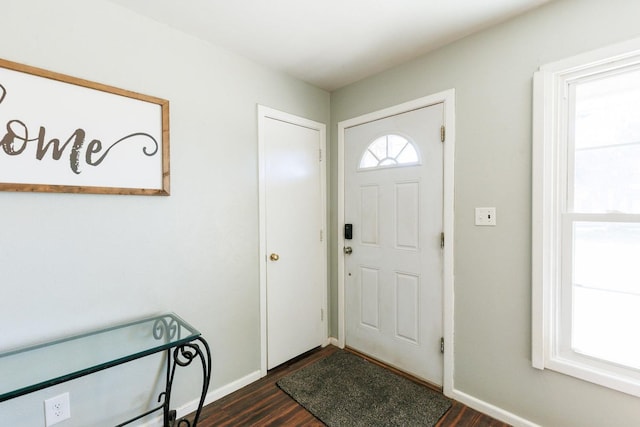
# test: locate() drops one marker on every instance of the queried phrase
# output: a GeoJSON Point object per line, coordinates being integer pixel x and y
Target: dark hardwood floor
{"type": "Point", "coordinates": [262, 403]}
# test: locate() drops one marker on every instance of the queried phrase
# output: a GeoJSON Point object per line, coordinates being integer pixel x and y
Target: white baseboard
{"type": "Point", "coordinates": [212, 396]}
{"type": "Point", "coordinates": [333, 341]}
{"type": "Point", "coordinates": [491, 410]}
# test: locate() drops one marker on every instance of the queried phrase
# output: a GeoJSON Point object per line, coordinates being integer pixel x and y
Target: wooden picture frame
{"type": "Point", "coordinates": [68, 135]}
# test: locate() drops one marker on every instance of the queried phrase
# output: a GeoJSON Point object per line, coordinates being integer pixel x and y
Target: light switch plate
{"type": "Point", "coordinates": [486, 216]}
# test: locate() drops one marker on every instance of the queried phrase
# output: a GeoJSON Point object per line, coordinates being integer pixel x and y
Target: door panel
{"type": "Point", "coordinates": [293, 212]}
{"type": "Point", "coordinates": [369, 308]}
{"type": "Point", "coordinates": [407, 215]}
{"type": "Point", "coordinates": [369, 214]}
{"type": "Point", "coordinates": [407, 311]}
{"type": "Point", "coordinates": [393, 277]}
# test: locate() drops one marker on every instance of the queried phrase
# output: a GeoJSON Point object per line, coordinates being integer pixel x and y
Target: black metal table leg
{"type": "Point", "coordinates": [183, 356]}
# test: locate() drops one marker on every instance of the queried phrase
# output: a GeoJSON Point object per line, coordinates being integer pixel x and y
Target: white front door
{"type": "Point", "coordinates": [394, 274]}
{"type": "Point", "coordinates": [293, 251]}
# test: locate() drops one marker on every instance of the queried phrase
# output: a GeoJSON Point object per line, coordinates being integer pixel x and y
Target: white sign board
{"type": "Point", "coordinates": [62, 134]}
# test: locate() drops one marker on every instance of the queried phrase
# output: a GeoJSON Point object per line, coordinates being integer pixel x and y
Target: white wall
{"type": "Point", "coordinates": [492, 75]}
{"type": "Point", "coordinates": [70, 263]}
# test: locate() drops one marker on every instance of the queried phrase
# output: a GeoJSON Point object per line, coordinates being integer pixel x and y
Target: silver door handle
{"type": "Point", "coordinates": [348, 250]}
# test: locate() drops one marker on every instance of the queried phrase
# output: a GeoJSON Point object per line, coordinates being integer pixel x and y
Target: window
{"type": "Point", "coordinates": [389, 151]}
{"type": "Point", "coordinates": [586, 218]}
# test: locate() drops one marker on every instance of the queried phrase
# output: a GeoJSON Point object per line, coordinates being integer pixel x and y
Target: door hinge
{"type": "Point", "coordinates": [321, 235]}
{"type": "Point", "coordinates": [322, 315]}
{"type": "Point", "coordinates": [442, 240]}
{"type": "Point", "coordinates": [442, 345]}
{"type": "Point", "coordinates": [320, 155]}
{"type": "Point", "coordinates": [442, 133]}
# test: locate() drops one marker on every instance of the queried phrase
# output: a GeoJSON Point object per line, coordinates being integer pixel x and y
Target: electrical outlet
{"type": "Point", "coordinates": [57, 409]}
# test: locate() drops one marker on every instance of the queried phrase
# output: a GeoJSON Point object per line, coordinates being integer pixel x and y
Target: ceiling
{"type": "Point", "coordinates": [330, 43]}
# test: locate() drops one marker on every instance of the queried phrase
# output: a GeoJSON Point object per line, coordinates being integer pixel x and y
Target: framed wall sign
{"type": "Point", "coordinates": [63, 134]}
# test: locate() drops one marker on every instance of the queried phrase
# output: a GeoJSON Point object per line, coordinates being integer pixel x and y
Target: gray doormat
{"type": "Point", "coordinates": [344, 390]}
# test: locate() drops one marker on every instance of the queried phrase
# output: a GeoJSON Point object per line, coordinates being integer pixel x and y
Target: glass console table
{"type": "Point", "coordinates": [69, 358]}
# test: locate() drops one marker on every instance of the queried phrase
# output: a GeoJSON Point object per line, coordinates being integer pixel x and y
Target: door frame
{"type": "Point", "coordinates": [267, 113]}
{"type": "Point", "coordinates": [446, 97]}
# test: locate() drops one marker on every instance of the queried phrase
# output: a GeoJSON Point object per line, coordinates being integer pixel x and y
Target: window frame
{"type": "Point", "coordinates": [552, 220]}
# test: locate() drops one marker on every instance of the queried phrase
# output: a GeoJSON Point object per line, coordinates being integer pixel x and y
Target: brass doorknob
{"type": "Point", "coordinates": [274, 257]}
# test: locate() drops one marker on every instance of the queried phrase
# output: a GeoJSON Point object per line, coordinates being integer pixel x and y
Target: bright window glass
{"type": "Point", "coordinates": [606, 291]}
{"type": "Point", "coordinates": [606, 180]}
{"type": "Point", "coordinates": [389, 151]}
{"type": "Point", "coordinates": [607, 144]}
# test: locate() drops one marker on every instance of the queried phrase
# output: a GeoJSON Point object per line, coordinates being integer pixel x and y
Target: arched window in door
{"type": "Point", "coordinates": [389, 151]}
